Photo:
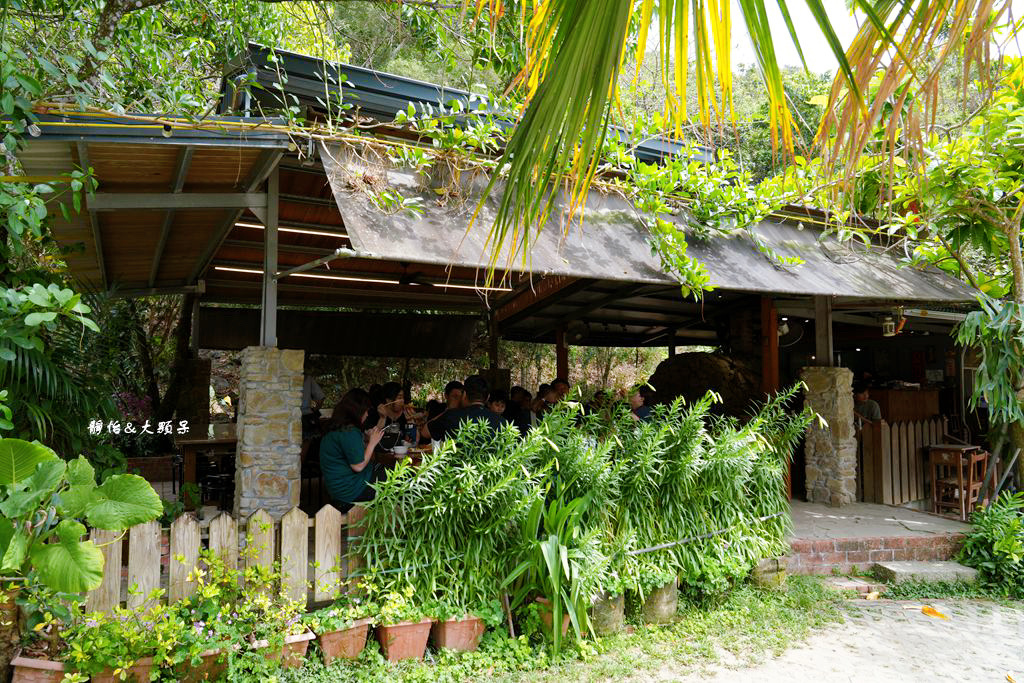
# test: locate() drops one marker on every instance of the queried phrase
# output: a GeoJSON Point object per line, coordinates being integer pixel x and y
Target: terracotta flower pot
{"type": "Point", "coordinates": [292, 652]}
{"type": "Point", "coordinates": [547, 617]}
{"type": "Point", "coordinates": [212, 668]}
{"type": "Point", "coordinates": [138, 672]}
{"type": "Point", "coordinates": [661, 604]}
{"type": "Point", "coordinates": [28, 670]}
{"type": "Point", "coordinates": [404, 640]}
{"type": "Point", "coordinates": [608, 615]}
{"type": "Point", "coordinates": [344, 644]}
{"type": "Point", "coordinates": [458, 634]}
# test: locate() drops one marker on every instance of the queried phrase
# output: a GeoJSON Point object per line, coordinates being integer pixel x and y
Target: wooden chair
{"type": "Point", "coordinates": [957, 476]}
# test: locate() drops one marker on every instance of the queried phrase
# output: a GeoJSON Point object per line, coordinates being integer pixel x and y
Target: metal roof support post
{"type": "Point", "coordinates": [268, 308]}
{"type": "Point", "coordinates": [823, 348]}
{"type": "Point", "coordinates": [769, 347]}
{"type": "Point", "coordinates": [561, 354]}
{"type": "Point", "coordinates": [492, 342]}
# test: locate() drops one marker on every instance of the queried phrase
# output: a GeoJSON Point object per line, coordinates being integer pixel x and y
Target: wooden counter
{"type": "Point", "coordinates": [905, 405]}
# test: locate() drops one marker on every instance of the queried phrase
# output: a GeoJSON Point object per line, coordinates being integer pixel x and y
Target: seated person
{"type": "Point", "coordinates": [640, 403]}
{"type": "Point", "coordinates": [496, 402]}
{"type": "Point", "coordinates": [344, 457]}
{"type": "Point", "coordinates": [473, 409]}
{"type": "Point", "coordinates": [453, 393]}
{"type": "Point", "coordinates": [546, 397]}
{"type": "Point", "coordinates": [517, 411]}
{"type": "Point", "coordinates": [865, 409]}
{"type": "Point", "coordinates": [392, 414]}
{"type": "Point", "coordinates": [561, 387]}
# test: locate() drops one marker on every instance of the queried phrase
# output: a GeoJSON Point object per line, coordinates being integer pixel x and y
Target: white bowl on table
{"type": "Point", "coordinates": [400, 451]}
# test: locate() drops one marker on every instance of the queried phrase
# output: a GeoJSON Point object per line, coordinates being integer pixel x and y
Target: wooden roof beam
{"type": "Point", "coordinates": [582, 311]}
{"type": "Point", "coordinates": [177, 183]}
{"type": "Point", "coordinates": [83, 160]}
{"type": "Point", "coordinates": [267, 161]}
{"type": "Point", "coordinates": [116, 201]}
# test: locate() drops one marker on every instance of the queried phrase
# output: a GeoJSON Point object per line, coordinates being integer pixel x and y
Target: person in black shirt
{"type": "Point", "coordinates": [518, 409]}
{"type": "Point", "coordinates": [473, 409]}
{"type": "Point", "coordinates": [497, 402]}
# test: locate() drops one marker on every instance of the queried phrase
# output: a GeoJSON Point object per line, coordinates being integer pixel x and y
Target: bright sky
{"type": "Point", "coordinates": [816, 50]}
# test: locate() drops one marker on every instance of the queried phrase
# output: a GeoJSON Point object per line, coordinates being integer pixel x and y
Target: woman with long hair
{"type": "Point", "coordinates": [345, 457]}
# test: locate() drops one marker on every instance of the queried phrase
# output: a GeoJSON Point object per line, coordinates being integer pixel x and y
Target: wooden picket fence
{"type": "Point", "coordinates": [892, 460]}
{"type": "Point", "coordinates": [310, 575]}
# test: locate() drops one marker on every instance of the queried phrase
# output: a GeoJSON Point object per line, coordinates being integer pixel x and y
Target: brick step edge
{"type": "Point", "coordinates": [824, 556]}
{"type": "Point", "coordinates": [861, 586]}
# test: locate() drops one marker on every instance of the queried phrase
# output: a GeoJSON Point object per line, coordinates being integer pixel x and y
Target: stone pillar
{"type": "Point", "coordinates": [269, 431]}
{"type": "Point", "coordinates": [194, 405]}
{"type": "Point", "coordinates": [831, 453]}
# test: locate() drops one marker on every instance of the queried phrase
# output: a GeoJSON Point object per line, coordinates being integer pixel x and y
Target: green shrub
{"type": "Point", "coordinates": [995, 545]}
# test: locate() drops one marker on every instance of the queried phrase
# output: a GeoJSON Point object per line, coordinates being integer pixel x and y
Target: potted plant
{"type": "Point", "coordinates": [660, 591]}
{"type": "Point", "coordinates": [459, 628]}
{"type": "Point", "coordinates": [342, 627]}
{"type": "Point", "coordinates": [402, 626]}
{"type": "Point", "coordinates": [36, 670]}
{"type": "Point", "coordinates": [275, 629]}
{"type": "Point", "coordinates": [124, 645]}
{"type": "Point", "coordinates": [238, 623]}
{"type": "Point", "coordinates": [45, 504]}
{"type": "Point", "coordinates": [608, 613]}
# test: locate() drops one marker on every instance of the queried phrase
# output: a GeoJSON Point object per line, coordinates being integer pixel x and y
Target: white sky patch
{"type": "Point", "coordinates": [815, 48]}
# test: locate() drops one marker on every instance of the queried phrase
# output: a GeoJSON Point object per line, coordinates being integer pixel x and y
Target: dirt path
{"type": "Point", "coordinates": [895, 641]}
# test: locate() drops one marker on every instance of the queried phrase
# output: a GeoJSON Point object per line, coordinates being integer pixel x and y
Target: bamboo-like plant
{"type": "Point", "coordinates": [446, 526]}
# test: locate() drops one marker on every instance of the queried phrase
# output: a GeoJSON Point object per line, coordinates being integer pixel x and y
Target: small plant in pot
{"type": "Point", "coordinates": [658, 590]}
{"type": "Point", "coordinates": [45, 615]}
{"type": "Point", "coordinates": [402, 626]}
{"type": "Point", "coordinates": [608, 613]}
{"type": "Point", "coordinates": [248, 633]}
{"type": "Point", "coordinates": [45, 504]}
{"type": "Point", "coordinates": [126, 645]}
{"type": "Point", "coordinates": [342, 627]}
{"type": "Point", "coordinates": [460, 628]}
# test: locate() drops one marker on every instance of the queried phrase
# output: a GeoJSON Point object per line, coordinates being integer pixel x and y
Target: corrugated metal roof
{"type": "Point", "coordinates": [613, 243]}
{"type": "Point", "coordinates": [378, 94]}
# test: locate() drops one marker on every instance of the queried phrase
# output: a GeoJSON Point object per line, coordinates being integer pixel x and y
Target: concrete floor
{"type": "Point", "coordinates": [814, 520]}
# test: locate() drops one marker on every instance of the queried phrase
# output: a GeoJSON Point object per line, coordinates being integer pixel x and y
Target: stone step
{"type": "Point", "coordinates": [897, 571]}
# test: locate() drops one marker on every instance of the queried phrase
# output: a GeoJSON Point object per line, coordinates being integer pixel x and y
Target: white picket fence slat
{"type": "Point", "coordinates": [259, 540]}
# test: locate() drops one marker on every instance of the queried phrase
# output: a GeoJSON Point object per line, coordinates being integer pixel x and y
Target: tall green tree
{"type": "Point", "coordinates": [960, 206]}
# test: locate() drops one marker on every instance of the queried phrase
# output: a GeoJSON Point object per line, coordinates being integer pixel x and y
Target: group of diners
{"type": "Point", "coordinates": [368, 422]}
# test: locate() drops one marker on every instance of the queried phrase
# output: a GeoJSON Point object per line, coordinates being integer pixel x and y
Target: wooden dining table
{"type": "Point", "coordinates": [388, 459]}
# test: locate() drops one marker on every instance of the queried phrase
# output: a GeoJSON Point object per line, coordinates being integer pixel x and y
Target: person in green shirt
{"type": "Point", "coordinates": [345, 457]}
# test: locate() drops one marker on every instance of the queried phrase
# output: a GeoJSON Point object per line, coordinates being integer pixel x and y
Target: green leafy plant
{"type": "Point", "coordinates": [347, 608]}
{"type": "Point", "coordinates": [44, 502]}
{"type": "Point", "coordinates": [995, 545]}
{"type": "Point", "coordinates": [232, 610]}
{"type": "Point", "coordinates": [395, 605]}
{"type": "Point", "coordinates": [98, 642]}
{"type": "Point", "coordinates": [446, 527]}
{"type": "Point", "coordinates": [562, 563]}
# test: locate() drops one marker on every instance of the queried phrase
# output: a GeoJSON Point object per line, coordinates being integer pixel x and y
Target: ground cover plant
{"type": "Point", "coordinates": [995, 545]}
{"type": "Point", "coordinates": [749, 622]}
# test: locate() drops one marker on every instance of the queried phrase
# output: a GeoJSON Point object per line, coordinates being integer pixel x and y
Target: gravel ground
{"type": "Point", "coordinates": [895, 641]}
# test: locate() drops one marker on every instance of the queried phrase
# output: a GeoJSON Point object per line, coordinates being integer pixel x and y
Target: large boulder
{"type": "Point", "coordinates": [691, 375]}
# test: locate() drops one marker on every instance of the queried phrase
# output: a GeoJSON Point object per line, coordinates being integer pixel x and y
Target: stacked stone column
{"type": "Point", "coordinates": [267, 471]}
{"type": "Point", "coordinates": [831, 452]}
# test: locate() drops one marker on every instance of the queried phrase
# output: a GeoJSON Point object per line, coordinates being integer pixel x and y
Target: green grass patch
{"type": "Point", "coordinates": [939, 590]}
{"type": "Point", "coordinates": [737, 630]}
